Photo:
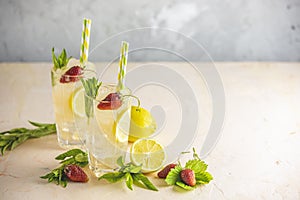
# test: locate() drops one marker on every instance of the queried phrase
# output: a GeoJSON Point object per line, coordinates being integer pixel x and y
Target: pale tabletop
{"type": "Point", "coordinates": [256, 157]}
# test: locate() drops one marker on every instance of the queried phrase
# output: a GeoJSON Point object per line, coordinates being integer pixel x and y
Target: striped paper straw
{"type": "Point", "coordinates": [85, 41]}
{"type": "Point", "coordinates": [123, 64]}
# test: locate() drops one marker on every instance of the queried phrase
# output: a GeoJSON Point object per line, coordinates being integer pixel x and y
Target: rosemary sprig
{"type": "Point", "coordinates": [14, 137]}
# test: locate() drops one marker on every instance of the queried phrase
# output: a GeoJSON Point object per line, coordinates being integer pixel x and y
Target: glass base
{"type": "Point", "coordinates": [98, 168]}
{"type": "Point", "coordinates": [68, 137]}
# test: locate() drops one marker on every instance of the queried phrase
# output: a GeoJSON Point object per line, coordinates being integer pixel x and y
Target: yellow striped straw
{"type": "Point", "coordinates": [122, 64]}
{"type": "Point", "coordinates": [85, 41]}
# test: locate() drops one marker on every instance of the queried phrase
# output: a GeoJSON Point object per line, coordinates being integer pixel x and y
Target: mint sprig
{"type": "Point", "coordinates": [91, 87]}
{"type": "Point", "coordinates": [61, 61]}
{"type": "Point", "coordinates": [73, 156]}
{"type": "Point", "coordinates": [197, 165]}
{"type": "Point", "coordinates": [132, 175]}
{"type": "Point", "coordinates": [10, 139]}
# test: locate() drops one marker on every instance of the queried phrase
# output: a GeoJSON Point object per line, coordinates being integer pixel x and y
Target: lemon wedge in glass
{"type": "Point", "coordinates": [142, 124]}
{"type": "Point", "coordinates": [148, 153]}
{"type": "Point", "coordinates": [77, 102]}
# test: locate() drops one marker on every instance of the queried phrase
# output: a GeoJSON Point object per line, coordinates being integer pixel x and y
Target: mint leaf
{"type": "Point", "coordinates": [54, 60]}
{"type": "Point", "coordinates": [60, 61]}
{"type": "Point", "coordinates": [145, 181]}
{"type": "Point", "coordinates": [184, 186]}
{"type": "Point", "coordinates": [112, 177]}
{"type": "Point", "coordinates": [120, 161]}
{"type": "Point", "coordinates": [136, 181]}
{"type": "Point", "coordinates": [73, 156]}
{"type": "Point", "coordinates": [131, 168]}
{"type": "Point", "coordinates": [203, 177]}
{"type": "Point", "coordinates": [10, 139]}
{"type": "Point", "coordinates": [131, 173]}
{"type": "Point", "coordinates": [196, 165]}
{"type": "Point", "coordinates": [129, 180]}
{"type": "Point", "coordinates": [174, 175]}
{"type": "Point", "coordinates": [91, 87]}
{"type": "Point", "coordinates": [56, 176]}
{"type": "Point", "coordinates": [70, 153]}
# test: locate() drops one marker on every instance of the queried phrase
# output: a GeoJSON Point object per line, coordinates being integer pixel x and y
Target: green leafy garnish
{"type": "Point", "coordinates": [14, 137]}
{"type": "Point", "coordinates": [184, 186]}
{"type": "Point", "coordinates": [197, 165]}
{"type": "Point", "coordinates": [174, 175]}
{"type": "Point", "coordinates": [132, 175]}
{"type": "Point", "coordinates": [61, 61]}
{"type": "Point", "coordinates": [73, 156]}
{"type": "Point", "coordinates": [203, 177]}
{"type": "Point", "coordinates": [91, 87]}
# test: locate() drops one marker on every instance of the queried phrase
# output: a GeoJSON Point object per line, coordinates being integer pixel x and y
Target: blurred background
{"type": "Point", "coordinates": [230, 30]}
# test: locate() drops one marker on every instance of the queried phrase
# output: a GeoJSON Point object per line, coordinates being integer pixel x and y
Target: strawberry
{"type": "Point", "coordinates": [165, 171]}
{"type": "Point", "coordinates": [75, 173]}
{"type": "Point", "coordinates": [188, 177]}
{"type": "Point", "coordinates": [110, 102]}
{"type": "Point", "coordinates": [72, 75]}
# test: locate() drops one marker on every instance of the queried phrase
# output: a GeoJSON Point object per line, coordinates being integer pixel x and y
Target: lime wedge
{"type": "Point", "coordinates": [148, 153]}
{"type": "Point", "coordinates": [142, 124]}
{"type": "Point", "coordinates": [77, 102]}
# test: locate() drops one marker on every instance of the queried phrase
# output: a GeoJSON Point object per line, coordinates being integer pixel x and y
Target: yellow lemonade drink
{"type": "Point", "coordinates": [108, 136]}
{"type": "Point", "coordinates": [63, 94]}
{"type": "Point", "coordinates": [68, 99]}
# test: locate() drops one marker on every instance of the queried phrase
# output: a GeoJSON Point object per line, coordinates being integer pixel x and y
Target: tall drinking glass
{"type": "Point", "coordinates": [107, 128]}
{"type": "Point", "coordinates": [68, 101]}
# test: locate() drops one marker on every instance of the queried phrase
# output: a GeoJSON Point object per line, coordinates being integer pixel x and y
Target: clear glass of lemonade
{"type": "Point", "coordinates": [68, 101]}
{"type": "Point", "coordinates": [108, 128]}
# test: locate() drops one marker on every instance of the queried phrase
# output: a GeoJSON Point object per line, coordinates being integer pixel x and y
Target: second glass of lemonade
{"type": "Point", "coordinates": [108, 128]}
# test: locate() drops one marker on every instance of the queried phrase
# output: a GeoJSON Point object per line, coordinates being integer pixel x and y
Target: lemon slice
{"type": "Point", "coordinates": [77, 102]}
{"type": "Point", "coordinates": [148, 153]}
{"type": "Point", "coordinates": [142, 124]}
{"type": "Point", "coordinates": [122, 127]}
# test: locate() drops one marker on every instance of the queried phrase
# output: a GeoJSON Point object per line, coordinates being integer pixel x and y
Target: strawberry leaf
{"type": "Point", "coordinates": [203, 177]}
{"type": "Point", "coordinates": [174, 175]}
{"type": "Point", "coordinates": [184, 186]}
{"type": "Point", "coordinates": [196, 165]}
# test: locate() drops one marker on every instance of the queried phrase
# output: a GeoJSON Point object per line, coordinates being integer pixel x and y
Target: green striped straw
{"type": "Point", "coordinates": [123, 64]}
{"type": "Point", "coordinates": [85, 41]}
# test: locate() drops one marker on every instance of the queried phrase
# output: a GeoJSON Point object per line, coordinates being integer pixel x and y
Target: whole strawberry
{"type": "Point", "coordinates": [71, 75]}
{"type": "Point", "coordinates": [75, 173]}
{"type": "Point", "coordinates": [188, 177]}
{"type": "Point", "coordinates": [165, 171]}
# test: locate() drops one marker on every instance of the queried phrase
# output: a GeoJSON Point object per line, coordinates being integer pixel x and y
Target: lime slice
{"type": "Point", "coordinates": [148, 153]}
{"type": "Point", "coordinates": [142, 124]}
{"type": "Point", "coordinates": [77, 102]}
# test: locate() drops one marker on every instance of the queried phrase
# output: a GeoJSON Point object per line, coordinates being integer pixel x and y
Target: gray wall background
{"type": "Point", "coordinates": [230, 30]}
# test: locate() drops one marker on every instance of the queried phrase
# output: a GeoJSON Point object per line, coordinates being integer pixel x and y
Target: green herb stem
{"type": "Point", "coordinates": [10, 139]}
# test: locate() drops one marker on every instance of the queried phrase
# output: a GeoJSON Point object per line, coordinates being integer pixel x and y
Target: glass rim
{"type": "Point", "coordinates": [123, 96]}
{"type": "Point", "coordinates": [84, 71]}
